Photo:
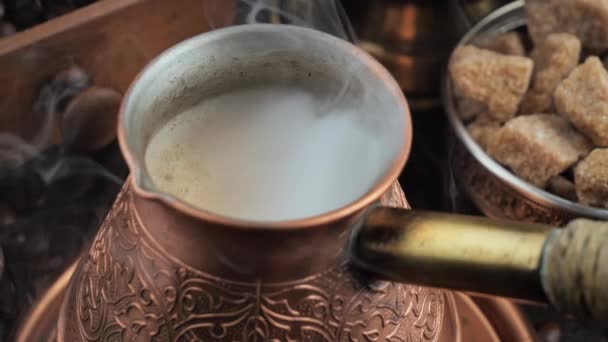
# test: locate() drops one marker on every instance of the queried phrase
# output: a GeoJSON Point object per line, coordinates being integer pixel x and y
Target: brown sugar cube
{"type": "Point", "coordinates": [482, 131]}
{"type": "Point", "coordinates": [538, 147]}
{"type": "Point", "coordinates": [554, 58]}
{"type": "Point", "coordinates": [468, 109]}
{"type": "Point", "coordinates": [583, 98]}
{"type": "Point", "coordinates": [487, 83]}
{"type": "Point", "coordinates": [509, 43]}
{"type": "Point", "coordinates": [591, 179]}
{"type": "Point", "coordinates": [586, 19]}
{"type": "Point", "coordinates": [562, 187]}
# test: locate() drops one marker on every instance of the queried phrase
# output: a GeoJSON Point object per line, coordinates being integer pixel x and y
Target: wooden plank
{"type": "Point", "coordinates": [111, 39]}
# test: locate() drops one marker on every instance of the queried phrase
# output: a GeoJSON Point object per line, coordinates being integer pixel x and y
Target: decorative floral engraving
{"type": "Point", "coordinates": [497, 199]}
{"type": "Point", "coordinates": [129, 291]}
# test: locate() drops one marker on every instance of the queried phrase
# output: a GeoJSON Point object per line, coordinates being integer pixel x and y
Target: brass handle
{"type": "Point", "coordinates": [537, 263]}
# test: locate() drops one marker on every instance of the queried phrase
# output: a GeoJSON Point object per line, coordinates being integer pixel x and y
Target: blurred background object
{"type": "Point", "coordinates": [60, 165]}
{"type": "Point", "coordinates": [23, 14]}
{"type": "Point", "coordinates": [54, 196]}
{"type": "Point", "coordinates": [476, 10]}
{"type": "Point", "coordinates": [412, 39]}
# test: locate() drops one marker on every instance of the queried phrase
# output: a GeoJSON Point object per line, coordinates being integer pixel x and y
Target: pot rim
{"type": "Point", "coordinates": [367, 199]}
{"type": "Point", "coordinates": [538, 195]}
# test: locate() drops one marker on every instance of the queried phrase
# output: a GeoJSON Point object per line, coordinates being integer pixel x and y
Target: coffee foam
{"type": "Point", "coordinates": [266, 154]}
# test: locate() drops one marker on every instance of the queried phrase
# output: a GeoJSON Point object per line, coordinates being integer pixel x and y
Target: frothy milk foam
{"type": "Point", "coordinates": [265, 154]}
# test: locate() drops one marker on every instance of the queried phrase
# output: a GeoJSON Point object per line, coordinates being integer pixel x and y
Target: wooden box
{"type": "Point", "coordinates": [111, 39]}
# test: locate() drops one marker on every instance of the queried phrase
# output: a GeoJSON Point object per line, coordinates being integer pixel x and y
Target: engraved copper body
{"type": "Point", "coordinates": [129, 288]}
{"type": "Point", "coordinates": [464, 318]}
{"type": "Point", "coordinates": [162, 270]}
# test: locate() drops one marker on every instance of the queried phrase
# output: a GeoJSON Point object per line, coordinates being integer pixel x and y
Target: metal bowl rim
{"type": "Point", "coordinates": [524, 188]}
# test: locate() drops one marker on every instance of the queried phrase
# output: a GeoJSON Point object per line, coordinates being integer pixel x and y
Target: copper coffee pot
{"type": "Point", "coordinates": [160, 269]}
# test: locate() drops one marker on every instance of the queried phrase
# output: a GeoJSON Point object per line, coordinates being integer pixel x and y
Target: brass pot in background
{"type": "Point", "coordinates": [413, 39]}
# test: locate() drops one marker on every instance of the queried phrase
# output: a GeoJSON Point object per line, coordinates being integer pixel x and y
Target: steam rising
{"type": "Point", "coordinates": [15, 152]}
{"type": "Point", "coordinates": [53, 98]}
{"type": "Point", "coordinates": [323, 15]}
{"type": "Point", "coordinates": [39, 163]}
{"type": "Point", "coordinates": [70, 166]}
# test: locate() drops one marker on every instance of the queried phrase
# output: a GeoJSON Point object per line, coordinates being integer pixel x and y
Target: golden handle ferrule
{"type": "Point", "coordinates": [452, 251]}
